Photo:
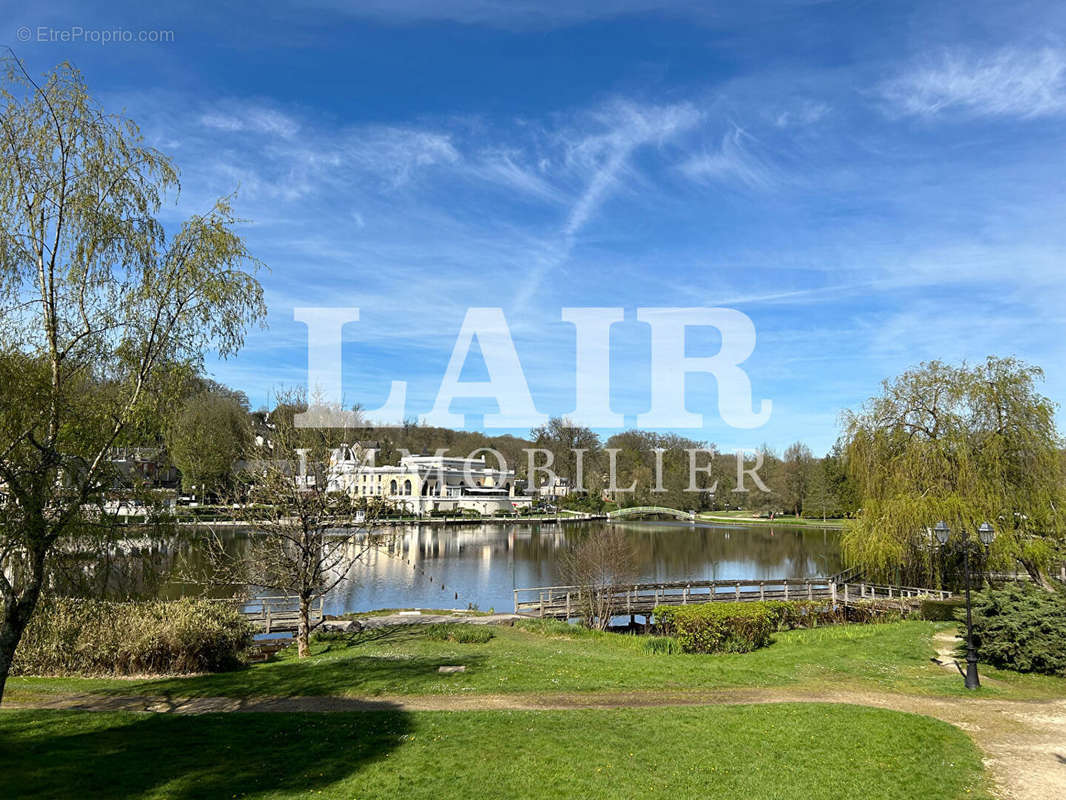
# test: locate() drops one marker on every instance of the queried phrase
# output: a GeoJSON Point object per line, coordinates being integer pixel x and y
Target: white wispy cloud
{"type": "Point", "coordinates": [418, 220]}
{"type": "Point", "coordinates": [731, 161]}
{"type": "Point", "coordinates": [509, 167]}
{"type": "Point", "coordinates": [251, 118]}
{"type": "Point", "coordinates": [1009, 82]}
{"type": "Point", "coordinates": [511, 14]}
{"type": "Point", "coordinates": [806, 113]}
{"type": "Point", "coordinates": [397, 152]}
{"type": "Point", "coordinates": [598, 152]}
{"type": "Point", "coordinates": [603, 155]}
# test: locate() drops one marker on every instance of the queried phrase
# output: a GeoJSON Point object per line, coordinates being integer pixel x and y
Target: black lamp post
{"type": "Point", "coordinates": [987, 535]}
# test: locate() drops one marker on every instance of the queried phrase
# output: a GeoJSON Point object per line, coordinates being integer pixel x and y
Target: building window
{"type": "Point", "coordinates": [392, 488]}
{"type": "Point", "coordinates": [407, 487]}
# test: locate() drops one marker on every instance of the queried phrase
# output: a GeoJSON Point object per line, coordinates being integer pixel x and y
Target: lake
{"type": "Point", "coordinates": [481, 565]}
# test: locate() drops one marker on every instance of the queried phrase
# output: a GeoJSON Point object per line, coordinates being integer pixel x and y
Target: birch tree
{"type": "Point", "coordinates": [98, 303]}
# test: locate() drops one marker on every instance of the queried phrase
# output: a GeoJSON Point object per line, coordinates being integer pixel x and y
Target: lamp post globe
{"type": "Point", "coordinates": [942, 532]}
{"type": "Point", "coordinates": [987, 534]}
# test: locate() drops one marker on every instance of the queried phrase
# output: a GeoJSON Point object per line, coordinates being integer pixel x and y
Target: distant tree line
{"type": "Point", "coordinates": [212, 433]}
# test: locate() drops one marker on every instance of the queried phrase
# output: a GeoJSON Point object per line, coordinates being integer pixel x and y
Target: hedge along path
{"type": "Point", "coordinates": [1024, 742]}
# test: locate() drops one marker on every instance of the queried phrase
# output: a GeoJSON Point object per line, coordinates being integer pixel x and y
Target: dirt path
{"type": "Point", "coordinates": [1024, 742]}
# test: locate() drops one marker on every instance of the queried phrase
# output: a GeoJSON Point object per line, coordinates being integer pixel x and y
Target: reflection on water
{"type": "Point", "coordinates": [484, 564]}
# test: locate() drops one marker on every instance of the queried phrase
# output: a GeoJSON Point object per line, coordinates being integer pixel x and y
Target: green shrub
{"type": "Point", "coordinates": [869, 611]}
{"type": "Point", "coordinates": [458, 632]}
{"type": "Point", "coordinates": [91, 637]}
{"type": "Point", "coordinates": [785, 615]}
{"type": "Point", "coordinates": [717, 627]}
{"type": "Point", "coordinates": [1020, 627]}
{"type": "Point", "coordinates": [792, 614]}
{"type": "Point", "coordinates": [940, 610]}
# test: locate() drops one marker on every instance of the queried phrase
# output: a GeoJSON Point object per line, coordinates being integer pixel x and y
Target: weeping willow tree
{"type": "Point", "coordinates": [966, 444]}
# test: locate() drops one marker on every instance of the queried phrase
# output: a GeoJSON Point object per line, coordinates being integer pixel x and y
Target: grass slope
{"type": "Point", "coordinates": [550, 657]}
{"type": "Point", "coordinates": [752, 752]}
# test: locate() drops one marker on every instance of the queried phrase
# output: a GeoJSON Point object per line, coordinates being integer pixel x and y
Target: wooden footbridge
{"type": "Point", "coordinates": [652, 511]}
{"type": "Point", "coordinates": [564, 602]}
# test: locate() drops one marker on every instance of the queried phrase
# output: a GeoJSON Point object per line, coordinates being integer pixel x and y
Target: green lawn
{"type": "Point", "coordinates": [399, 661]}
{"type": "Point", "coordinates": [752, 752]}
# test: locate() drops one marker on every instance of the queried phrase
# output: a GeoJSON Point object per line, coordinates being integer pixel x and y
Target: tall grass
{"type": "Point", "coordinates": [458, 632]}
{"type": "Point", "coordinates": [91, 637]}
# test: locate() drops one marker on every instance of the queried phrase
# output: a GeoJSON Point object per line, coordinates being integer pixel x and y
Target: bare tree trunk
{"type": "Point", "coordinates": [10, 634]}
{"type": "Point", "coordinates": [1037, 574]}
{"type": "Point", "coordinates": [587, 599]}
{"type": "Point", "coordinates": [17, 611]}
{"type": "Point", "coordinates": [605, 607]}
{"type": "Point", "coordinates": [303, 633]}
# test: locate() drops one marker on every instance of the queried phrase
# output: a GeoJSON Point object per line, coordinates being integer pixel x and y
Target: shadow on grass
{"type": "Point", "coordinates": [63, 754]}
{"type": "Point", "coordinates": [379, 635]}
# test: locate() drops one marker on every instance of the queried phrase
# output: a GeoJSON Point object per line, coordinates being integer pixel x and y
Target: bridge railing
{"type": "Point", "coordinates": [849, 575]}
{"type": "Point", "coordinates": [849, 592]}
{"type": "Point", "coordinates": [1056, 573]}
{"type": "Point", "coordinates": [277, 614]}
{"type": "Point", "coordinates": [567, 601]}
{"type": "Point", "coordinates": [634, 511]}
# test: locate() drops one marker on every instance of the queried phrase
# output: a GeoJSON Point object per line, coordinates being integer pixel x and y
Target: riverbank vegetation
{"type": "Point", "coordinates": [69, 636]}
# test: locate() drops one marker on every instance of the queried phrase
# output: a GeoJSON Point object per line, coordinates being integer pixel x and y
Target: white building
{"type": "Point", "coordinates": [554, 488]}
{"type": "Point", "coordinates": [422, 484]}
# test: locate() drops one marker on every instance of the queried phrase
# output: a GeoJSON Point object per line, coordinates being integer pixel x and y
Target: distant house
{"type": "Point", "coordinates": [554, 488]}
{"type": "Point", "coordinates": [143, 466]}
{"type": "Point", "coordinates": [254, 467]}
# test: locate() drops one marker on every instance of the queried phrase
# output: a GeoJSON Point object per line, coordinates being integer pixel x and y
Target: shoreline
{"type": "Point", "coordinates": [836, 524]}
{"type": "Point", "coordinates": [529, 520]}
{"type": "Point", "coordinates": [788, 522]}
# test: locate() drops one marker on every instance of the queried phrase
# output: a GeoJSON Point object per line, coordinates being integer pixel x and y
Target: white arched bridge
{"type": "Point", "coordinates": [652, 511]}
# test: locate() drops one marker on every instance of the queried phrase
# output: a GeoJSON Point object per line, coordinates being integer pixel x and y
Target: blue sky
{"type": "Point", "coordinates": [873, 184]}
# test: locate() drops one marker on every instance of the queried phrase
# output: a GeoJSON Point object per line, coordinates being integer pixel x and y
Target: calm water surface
{"type": "Point", "coordinates": [484, 564]}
